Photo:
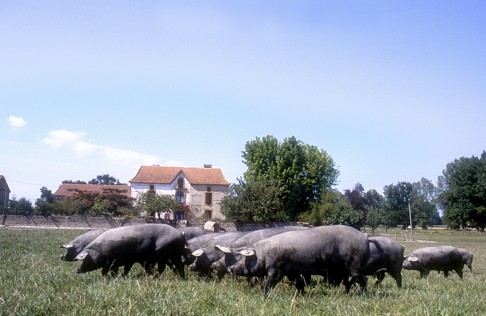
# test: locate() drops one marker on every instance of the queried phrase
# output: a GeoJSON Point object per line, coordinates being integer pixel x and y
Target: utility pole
{"type": "Point", "coordinates": [410, 217]}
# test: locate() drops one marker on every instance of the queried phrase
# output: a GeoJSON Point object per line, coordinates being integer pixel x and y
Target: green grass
{"type": "Point", "coordinates": [33, 281]}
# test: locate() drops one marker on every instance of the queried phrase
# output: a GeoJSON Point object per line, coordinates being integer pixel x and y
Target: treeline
{"type": "Point", "coordinates": [107, 202]}
{"type": "Point", "coordinates": [291, 180]}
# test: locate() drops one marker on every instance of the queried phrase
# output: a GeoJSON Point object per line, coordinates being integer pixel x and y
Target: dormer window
{"type": "Point", "coordinates": [180, 183]}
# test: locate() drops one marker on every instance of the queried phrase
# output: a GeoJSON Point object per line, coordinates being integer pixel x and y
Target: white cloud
{"type": "Point", "coordinates": [59, 138]}
{"type": "Point", "coordinates": [15, 121]}
{"type": "Point", "coordinates": [82, 148]}
{"type": "Point", "coordinates": [118, 156]}
{"type": "Point", "coordinates": [128, 157]}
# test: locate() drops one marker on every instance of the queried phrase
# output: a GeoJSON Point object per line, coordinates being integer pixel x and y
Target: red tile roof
{"type": "Point", "coordinates": [68, 189]}
{"type": "Point", "coordinates": [166, 175]}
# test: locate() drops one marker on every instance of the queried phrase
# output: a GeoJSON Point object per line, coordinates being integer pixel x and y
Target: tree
{"type": "Point", "coordinates": [45, 204]}
{"type": "Point", "coordinates": [357, 200]}
{"type": "Point", "coordinates": [154, 203]}
{"type": "Point", "coordinates": [86, 201]}
{"type": "Point", "coordinates": [108, 202]}
{"type": "Point", "coordinates": [46, 195]}
{"type": "Point", "coordinates": [374, 205]}
{"type": "Point", "coordinates": [299, 172]}
{"type": "Point", "coordinates": [423, 203]}
{"type": "Point", "coordinates": [70, 207]}
{"type": "Point", "coordinates": [100, 179]}
{"type": "Point", "coordinates": [397, 198]}
{"type": "Point", "coordinates": [333, 209]}
{"type": "Point", "coordinates": [463, 192]}
{"type": "Point", "coordinates": [257, 201]}
{"type": "Point", "coordinates": [21, 206]}
{"type": "Point", "coordinates": [369, 204]}
{"type": "Point", "coordinates": [419, 196]}
{"type": "Point", "coordinates": [104, 179]}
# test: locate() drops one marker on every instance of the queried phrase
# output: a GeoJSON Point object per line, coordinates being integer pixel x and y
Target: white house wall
{"type": "Point", "coordinates": [161, 189]}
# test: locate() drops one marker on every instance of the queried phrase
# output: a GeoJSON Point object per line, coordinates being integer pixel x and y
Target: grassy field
{"type": "Point", "coordinates": [33, 281]}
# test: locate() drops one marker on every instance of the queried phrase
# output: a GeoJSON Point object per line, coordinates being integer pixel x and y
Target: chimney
{"type": "Point", "coordinates": [208, 165]}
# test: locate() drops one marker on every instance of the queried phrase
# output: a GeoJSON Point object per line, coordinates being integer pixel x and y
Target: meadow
{"type": "Point", "coordinates": [35, 282]}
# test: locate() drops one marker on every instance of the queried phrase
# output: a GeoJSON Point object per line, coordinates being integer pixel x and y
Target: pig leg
{"type": "Point", "coordinates": [273, 277]}
{"type": "Point", "coordinates": [459, 272]}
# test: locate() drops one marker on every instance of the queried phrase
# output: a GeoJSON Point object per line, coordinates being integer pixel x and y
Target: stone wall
{"type": "Point", "coordinates": [72, 221]}
{"type": "Point", "coordinates": [79, 222]}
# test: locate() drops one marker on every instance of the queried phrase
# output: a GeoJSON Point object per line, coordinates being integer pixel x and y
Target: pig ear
{"type": "Point", "coordinates": [247, 252]}
{"type": "Point", "coordinates": [223, 249]}
{"type": "Point", "coordinates": [197, 253]}
{"type": "Point", "coordinates": [413, 259]}
{"type": "Point", "coordinates": [67, 246]}
{"type": "Point", "coordinates": [82, 255]}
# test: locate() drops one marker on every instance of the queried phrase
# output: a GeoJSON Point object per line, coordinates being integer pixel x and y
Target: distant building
{"type": "Point", "coordinates": [4, 193]}
{"type": "Point", "coordinates": [197, 190]}
{"type": "Point", "coordinates": [69, 189]}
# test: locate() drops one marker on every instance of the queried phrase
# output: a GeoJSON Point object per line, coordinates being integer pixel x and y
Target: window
{"type": "Point", "coordinates": [152, 188]}
{"type": "Point", "coordinates": [180, 183]}
{"type": "Point", "coordinates": [180, 197]}
{"type": "Point", "coordinates": [209, 198]}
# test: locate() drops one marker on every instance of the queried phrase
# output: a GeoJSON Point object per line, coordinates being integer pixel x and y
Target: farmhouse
{"type": "Point", "coordinates": [69, 189]}
{"type": "Point", "coordinates": [197, 190]}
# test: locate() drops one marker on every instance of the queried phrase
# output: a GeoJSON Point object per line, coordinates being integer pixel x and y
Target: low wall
{"type": "Point", "coordinates": [79, 222]}
{"type": "Point", "coordinates": [72, 221]}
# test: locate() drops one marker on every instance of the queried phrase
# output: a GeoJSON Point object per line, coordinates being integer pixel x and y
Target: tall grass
{"type": "Point", "coordinates": [33, 281]}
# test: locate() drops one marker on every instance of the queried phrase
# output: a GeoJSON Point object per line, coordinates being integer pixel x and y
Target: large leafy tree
{"type": "Point", "coordinates": [423, 203]}
{"type": "Point", "coordinates": [253, 201]}
{"type": "Point", "coordinates": [299, 172]}
{"type": "Point", "coordinates": [419, 197]}
{"type": "Point", "coordinates": [463, 192]}
{"type": "Point", "coordinates": [397, 198]}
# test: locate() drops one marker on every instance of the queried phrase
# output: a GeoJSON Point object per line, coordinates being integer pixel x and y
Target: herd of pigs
{"type": "Point", "coordinates": [338, 253]}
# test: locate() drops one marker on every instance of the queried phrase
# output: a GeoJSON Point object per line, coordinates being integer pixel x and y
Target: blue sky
{"type": "Point", "coordinates": [392, 90]}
